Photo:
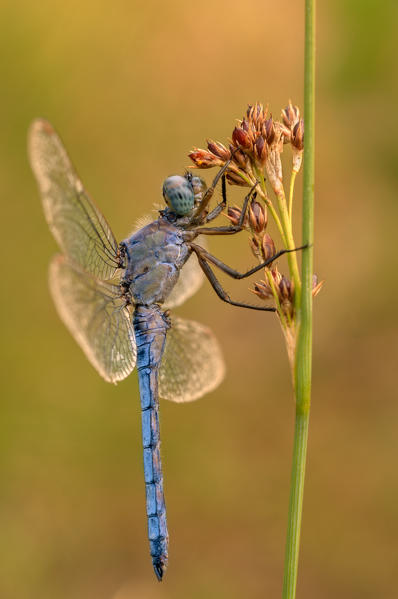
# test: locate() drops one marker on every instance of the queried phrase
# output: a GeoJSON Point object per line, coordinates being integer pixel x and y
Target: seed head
{"type": "Point", "coordinates": [256, 116]}
{"type": "Point", "coordinates": [268, 247]}
{"type": "Point", "coordinates": [242, 139]}
{"type": "Point", "coordinates": [239, 158]}
{"type": "Point", "coordinates": [290, 115]}
{"type": "Point", "coordinates": [234, 214]}
{"type": "Point", "coordinates": [218, 149]}
{"type": "Point", "coordinates": [257, 216]}
{"type": "Point", "coordinates": [263, 290]}
{"type": "Point", "coordinates": [204, 158]}
{"type": "Point", "coordinates": [255, 247]}
{"type": "Point", "coordinates": [260, 151]}
{"type": "Point", "coordinates": [297, 139]}
{"type": "Point", "coordinates": [285, 289]}
{"type": "Point", "coordinates": [234, 178]}
{"type": "Point", "coordinates": [268, 130]}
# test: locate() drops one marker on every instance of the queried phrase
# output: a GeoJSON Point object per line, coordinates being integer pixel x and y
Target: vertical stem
{"type": "Point", "coordinates": [291, 191]}
{"type": "Point", "coordinates": [304, 314]}
{"type": "Point", "coordinates": [296, 505]}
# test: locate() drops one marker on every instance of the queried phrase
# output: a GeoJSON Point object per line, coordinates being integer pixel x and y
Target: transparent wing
{"type": "Point", "coordinates": [77, 225]}
{"type": "Point", "coordinates": [192, 363]}
{"type": "Point", "coordinates": [190, 279]}
{"type": "Point", "coordinates": [96, 316]}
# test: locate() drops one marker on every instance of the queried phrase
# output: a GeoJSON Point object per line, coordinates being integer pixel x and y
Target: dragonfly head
{"type": "Point", "coordinates": [182, 194]}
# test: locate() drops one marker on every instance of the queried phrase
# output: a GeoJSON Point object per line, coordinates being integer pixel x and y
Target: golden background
{"type": "Point", "coordinates": [131, 87]}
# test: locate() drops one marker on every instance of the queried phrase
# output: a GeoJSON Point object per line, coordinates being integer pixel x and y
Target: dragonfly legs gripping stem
{"type": "Point", "coordinates": [204, 257]}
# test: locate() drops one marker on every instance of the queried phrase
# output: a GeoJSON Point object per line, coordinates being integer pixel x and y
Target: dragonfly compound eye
{"type": "Point", "coordinates": [178, 195]}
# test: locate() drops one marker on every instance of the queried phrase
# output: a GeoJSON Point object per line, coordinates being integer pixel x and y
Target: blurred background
{"type": "Point", "coordinates": [131, 87]}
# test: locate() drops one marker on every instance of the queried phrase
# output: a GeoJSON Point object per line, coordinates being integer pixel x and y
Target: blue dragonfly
{"type": "Point", "coordinates": [115, 298]}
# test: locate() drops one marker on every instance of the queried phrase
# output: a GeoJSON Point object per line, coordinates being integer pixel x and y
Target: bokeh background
{"type": "Point", "coordinates": [132, 86]}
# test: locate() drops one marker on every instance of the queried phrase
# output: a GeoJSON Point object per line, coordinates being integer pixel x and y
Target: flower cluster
{"type": "Point", "coordinates": [257, 142]}
{"type": "Point", "coordinates": [253, 156]}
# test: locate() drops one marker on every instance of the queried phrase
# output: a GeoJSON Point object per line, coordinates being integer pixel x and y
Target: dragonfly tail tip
{"type": "Point", "coordinates": [159, 570]}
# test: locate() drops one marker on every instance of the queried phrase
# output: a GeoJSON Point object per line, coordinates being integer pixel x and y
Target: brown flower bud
{"type": "Point", "coordinates": [297, 139]}
{"type": "Point", "coordinates": [218, 149]}
{"type": "Point", "coordinates": [204, 159]}
{"type": "Point", "coordinates": [241, 138]}
{"type": "Point", "coordinates": [276, 275]}
{"type": "Point", "coordinates": [290, 115]}
{"type": "Point", "coordinates": [263, 290]}
{"type": "Point", "coordinates": [234, 178]}
{"type": "Point", "coordinates": [286, 289]}
{"type": "Point", "coordinates": [268, 130]}
{"type": "Point", "coordinates": [249, 111]}
{"type": "Point", "coordinates": [257, 216]}
{"type": "Point", "coordinates": [245, 125]}
{"type": "Point", "coordinates": [234, 214]}
{"type": "Point", "coordinates": [255, 247]}
{"type": "Point", "coordinates": [268, 247]}
{"type": "Point", "coordinates": [238, 157]}
{"type": "Point", "coordinates": [260, 150]}
{"type": "Point", "coordinates": [256, 117]}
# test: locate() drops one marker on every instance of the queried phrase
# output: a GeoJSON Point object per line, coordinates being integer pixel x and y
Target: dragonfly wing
{"type": "Point", "coordinates": [96, 316]}
{"type": "Point", "coordinates": [192, 363]}
{"type": "Point", "coordinates": [190, 279]}
{"type": "Point", "coordinates": [76, 223]}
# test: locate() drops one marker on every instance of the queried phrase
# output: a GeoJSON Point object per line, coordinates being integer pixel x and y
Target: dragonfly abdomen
{"type": "Point", "coordinates": [150, 326]}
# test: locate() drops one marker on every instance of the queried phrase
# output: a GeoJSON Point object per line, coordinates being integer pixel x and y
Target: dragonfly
{"type": "Point", "coordinates": [115, 298]}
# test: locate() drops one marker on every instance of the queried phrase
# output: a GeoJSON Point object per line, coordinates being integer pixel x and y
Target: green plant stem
{"type": "Point", "coordinates": [291, 193]}
{"type": "Point", "coordinates": [296, 504]}
{"type": "Point", "coordinates": [289, 244]}
{"type": "Point", "coordinates": [268, 203]}
{"type": "Point", "coordinates": [304, 315]}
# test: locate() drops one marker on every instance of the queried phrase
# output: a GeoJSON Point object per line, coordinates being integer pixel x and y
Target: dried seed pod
{"type": "Point", "coordinates": [286, 289]}
{"type": "Point", "coordinates": [290, 115]}
{"type": "Point", "coordinates": [268, 130]}
{"type": "Point", "coordinates": [255, 247]}
{"type": "Point", "coordinates": [234, 178]}
{"type": "Point", "coordinates": [234, 214]}
{"type": "Point", "coordinates": [242, 139]}
{"type": "Point", "coordinates": [276, 275]}
{"type": "Point", "coordinates": [257, 216]}
{"type": "Point", "coordinates": [218, 149]}
{"type": "Point", "coordinates": [238, 157]}
{"type": "Point", "coordinates": [260, 151]}
{"type": "Point", "coordinates": [268, 246]}
{"type": "Point", "coordinates": [263, 290]}
{"type": "Point", "coordinates": [204, 158]}
{"type": "Point", "coordinates": [297, 139]}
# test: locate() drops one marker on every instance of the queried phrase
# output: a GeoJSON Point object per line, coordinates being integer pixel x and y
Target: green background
{"type": "Point", "coordinates": [131, 87]}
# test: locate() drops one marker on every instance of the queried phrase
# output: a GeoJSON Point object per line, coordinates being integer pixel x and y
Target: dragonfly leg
{"type": "Point", "coordinates": [220, 207]}
{"type": "Point", "coordinates": [215, 283]}
{"type": "Point", "coordinates": [197, 215]}
{"type": "Point", "coordinates": [231, 229]}
{"type": "Point", "coordinates": [205, 255]}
